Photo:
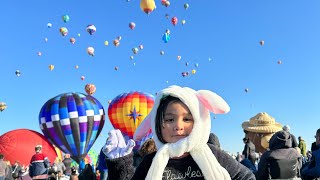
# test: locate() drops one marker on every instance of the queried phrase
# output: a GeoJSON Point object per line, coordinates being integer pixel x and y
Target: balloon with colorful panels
{"type": "Point", "coordinates": [128, 110]}
{"type": "Point", "coordinates": [63, 31]}
{"type": "Point", "coordinates": [91, 158]}
{"type": "Point", "coordinates": [65, 18]}
{"type": "Point", "coordinates": [3, 106]}
{"type": "Point", "coordinates": [90, 89]}
{"type": "Point", "coordinates": [72, 122]}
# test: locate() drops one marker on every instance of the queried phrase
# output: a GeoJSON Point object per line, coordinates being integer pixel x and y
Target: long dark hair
{"type": "Point", "coordinates": [164, 102]}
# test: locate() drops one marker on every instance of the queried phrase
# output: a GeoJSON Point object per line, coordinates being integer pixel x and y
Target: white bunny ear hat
{"type": "Point", "coordinates": [200, 103]}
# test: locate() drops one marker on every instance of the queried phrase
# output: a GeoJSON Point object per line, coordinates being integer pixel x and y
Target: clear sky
{"type": "Point", "coordinates": [222, 37]}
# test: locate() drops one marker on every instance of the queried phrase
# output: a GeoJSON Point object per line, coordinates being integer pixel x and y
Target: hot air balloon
{"type": "Point", "coordinates": [19, 145]}
{"type": "Point", "coordinates": [184, 74]}
{"type": "Point", "coordinates": [76, 66]}
{"type": "Point", "coordinates": [167, 16]}
{"type": "Point", "coordinates": [131, 57]}
{"type": "Point", "coordinates": [163, 2]}
{"type": "Point", "coordinates": [193, 71]}
{"type": "Point", "coordinates": [147, 6]}
{"type": "Point", "coordinates": [90, 89]}
{"type": "Point", "coordinates": [49, 25]}
{"type": "Point", "coordinates": [186, 6]}
{"type": "Point", "coordinates": [261, 42]}
{"type": "Point", "coordinates": [72, 122]}
{"type": "Point", "coordinates": [3, 106]}
{"type": "Point", "coordinates": [174, 21]}
{"type": "Point", "coordinates": [246, 90]}
{"type": "Point", "coordinates": [45, 39]}
{"type": "Point", "coordinates": [128, 110]}
{"type": "Point", "coordinates": [183, 22]}
{"type": "Point", "coordinates": [65, 18]}
{"type": "Point", "coordinates": [82, 78]}
{"type": "Point", "coordinates": [116, 68]}
{"type": "Point", "coordinates": [161, 53]}
{"type": "Point", "coordinates": [91, 29]}
{"type": "Point", "coordinates": [116, 42]}
{"type": "Point", "coordinates": [140, 46]}
{"type": "Point", "coordinates": [39, 53]}
{"type": "Point", "coordinates": [166, 37]}
{"type": "Point", "coordinates": [279, 62]}
{"type": "Point", "coordinates": [132, 25]}
{"type": "Point", "coordinates": [51, 67]}
{"type": "Point", "coordinates": [72, 40]}
{"type": "Point", "coordinates": [178, 57]}
{"type": "Point", "coordinates": [90, 51]}
{"type": "Point", "coordinates": [196, 65]}
{"type": "Point", "coordinates": [119, 38]}
{"type": "Point", "coordinates": [18, 73]}
{"type": "Point", "coordinates": [167, 3]}
{"type": "Point", "coordinates": [63, 31]}
{"type": "Point", "coordinates": [135, 50]}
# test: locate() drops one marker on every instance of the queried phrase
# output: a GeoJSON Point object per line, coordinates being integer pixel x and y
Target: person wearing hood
{"type": "Point", "coordinates": [181, 122]}
{"type": "Point", "coordinates": [282, 161]}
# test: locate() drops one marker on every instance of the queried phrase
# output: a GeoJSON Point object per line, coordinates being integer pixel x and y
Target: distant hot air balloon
{"type": "Point", "coordinates": [179, 58]}
{"type": "Point", "coordinates": [186, 6]}
{"type": "Point", "coordinates": [18, 73]}
{"type": "Point", "coordinates": [246, 90]}
{"type": "Point", "coordinates": [135, 50]}
{"type": "Point", "coordinates": [193, 71]}
{"type": "Point", "coordinates": [166, 37]}
{"type": "Point", "coordinates": [79, 34]}
{"type": "Point", "coordinates": [161, 53]}
{"type": "Point", "coordinates": [187, 64]}
{"type": "Point", "coordinates": [51, 67]}
{"type": "Point", "coordinates": [82, 78]}
{"type": "Point", "coordinates": [90, 51]}
{"type": "Point", "coordinates": [163, 2]}
{"type": "Point", "coordinates": [72, 122]}
{"type": "Point", "coordinates": [140, 46]}
{"type": "Point", "coordinates": [261, 42]}
{"type": "Point", "coordinates": [147, 6]}
{"type": "Point", "coordinates": [3, 106]}
{"type": "Point", "coordinates": [90, 89]}
{"type": "Point", "coordinates": [91, 29]}
{"type": "Point", "coordinates": [279, 62]}
{"type": "Point", "coordinates": [76, 66]}
{"type": "Point", "coordinates": [63, 31]}
{"type": "Point", "coordinates": [167, 16]}
{"type": "Point", "coordinates": [183, 22]}
{"type": "Point", "coordinates": [174, 21]}
{"type": "Point", "coordinates": [65, 18]}
{"type": "Point", "coordinates": [119, 38]}
{"type": "Point", "coordinates": [39, 53]}
{"type": "Point", "coordinates": [167, 3]}
{"type": "Point", "coordinates": [106, 43]}
{"type": "Point", "coordinates": [184, 74]}
{"type": "Point", "coordinates": [131, 57]}
{"type": "Point", "coordinates": [132, 25]}
{"type": "Point", "coordinates": [49, 25]}
{"type": "Point", "coordinates": [128, 110]}
{"type": "Point", "coordinates": [196, 64]}
{"type": "Point", "coordinates": [72, 40]}
{"type": "Point", "coordinates": [116, 42]}
{"type": "Point", "coordinates": [116, 68]}
{"type": "Point", "coordinates": [19, 145]}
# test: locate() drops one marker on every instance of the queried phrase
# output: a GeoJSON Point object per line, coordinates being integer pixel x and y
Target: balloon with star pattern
{"type": "Point", "coordinates": [128, 110]}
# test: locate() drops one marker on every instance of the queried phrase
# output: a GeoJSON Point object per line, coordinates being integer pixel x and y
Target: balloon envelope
{"type": "Point", "coordinates": [3, 106]}
{"type": "Point", "coordinates": [72, 121]}
{"type": "Point", "coordinates": [128, 110]}
{"type": "Point", "coordinates": [19, 145]}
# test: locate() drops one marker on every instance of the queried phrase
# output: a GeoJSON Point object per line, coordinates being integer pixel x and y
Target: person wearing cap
{"type": "Point", "coordinates": [312, 169]}
{"type": "Point", "coordinates": [39, 164]}
{"type": "Point", "coordinates": [293, 138]}
{"type": "Point", "coordinates": [281, 161]}
{"type": "Point", "coordinates": [181, 123]}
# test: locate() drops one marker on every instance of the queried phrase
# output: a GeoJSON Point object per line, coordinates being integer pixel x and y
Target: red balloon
{"type": "Point", "coordinates": [20, 145]}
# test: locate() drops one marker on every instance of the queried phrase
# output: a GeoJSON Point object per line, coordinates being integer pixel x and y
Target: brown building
{"type": "Point", "coordinates": [259, 130]}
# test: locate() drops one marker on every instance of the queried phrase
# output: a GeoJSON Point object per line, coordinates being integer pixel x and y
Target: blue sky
{"type": "Point", "coordinates": [222, 37]}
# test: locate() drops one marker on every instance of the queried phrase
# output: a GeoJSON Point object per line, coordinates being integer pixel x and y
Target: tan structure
{"type": "Point", "coordinates": [259, 130]}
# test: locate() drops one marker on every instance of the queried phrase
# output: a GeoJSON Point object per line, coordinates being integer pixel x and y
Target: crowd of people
{"type": "Point", "coordinates": [182, 148]}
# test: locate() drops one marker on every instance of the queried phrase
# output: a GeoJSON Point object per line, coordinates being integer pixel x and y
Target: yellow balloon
{"type": "Point", "coordinates": [193, 71]}
{"type": "Point", "coordinates": [51, 67]}
{"type": "Point", "coordinates": [76, 66]}
{"type": "Point", "coordinates": [106, 43]}
{"type": "Point", "coordinates": [147, 6]}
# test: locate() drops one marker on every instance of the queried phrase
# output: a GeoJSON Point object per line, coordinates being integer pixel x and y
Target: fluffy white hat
{"type": "Point", "coordinates": [200, 103]}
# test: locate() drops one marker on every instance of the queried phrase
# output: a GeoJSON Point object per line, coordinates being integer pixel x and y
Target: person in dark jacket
{"type": "Point", "coordinates": [39, 164]}
{"type": "Point", "coordinates": [180, 120]}
{"type": "Point", "coordinates": [102, 166]}
{"type": "Point", "coordinates": [293, 137]}
{"type": "Point", "coordinates": [87, 173]}
{"type": "Point", "coordinates": [281, 161]}
{"type": "Point", "coordinates": [67, 163]}
{"type": "Point", "coordinates": [312, 169]}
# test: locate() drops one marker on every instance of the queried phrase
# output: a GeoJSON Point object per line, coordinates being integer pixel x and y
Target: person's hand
{"type": "Point", "coordinates": [116, 146]}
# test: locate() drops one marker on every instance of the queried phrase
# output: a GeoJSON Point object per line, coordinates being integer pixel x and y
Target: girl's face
{"type": "Point", "coordinates": [177, 122]}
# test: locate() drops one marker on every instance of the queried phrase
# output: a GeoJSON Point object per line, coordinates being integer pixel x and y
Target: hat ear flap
{"type": "Point", "coordinates": [213, 102]}
{"type": "Point", "coordinates": [143, 128]}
